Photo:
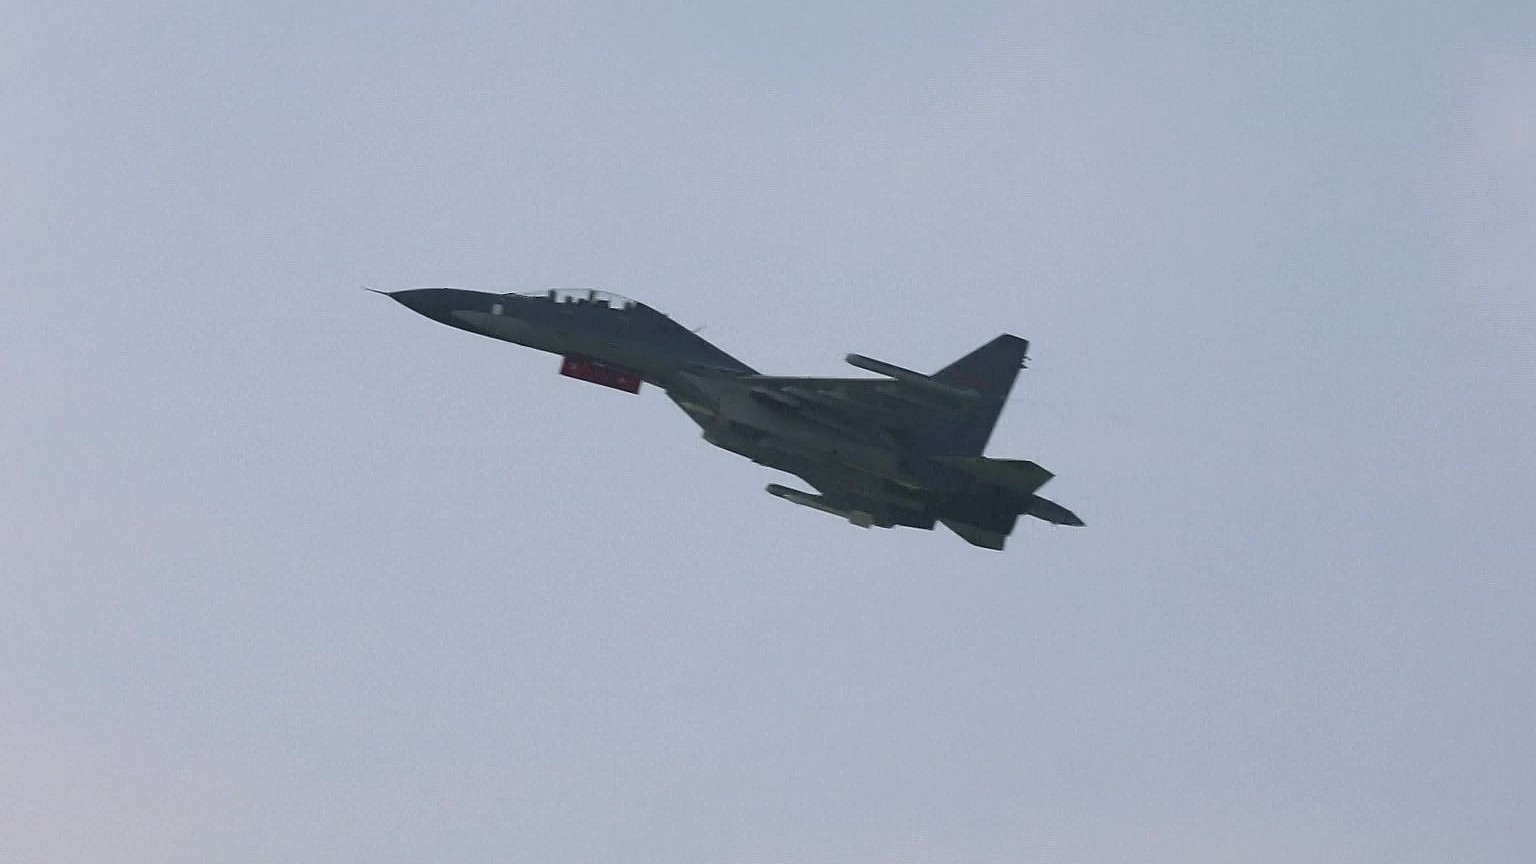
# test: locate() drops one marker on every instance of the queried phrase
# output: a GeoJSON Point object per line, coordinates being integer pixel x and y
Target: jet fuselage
{"type": "Point", "coordinates": [901, 450]}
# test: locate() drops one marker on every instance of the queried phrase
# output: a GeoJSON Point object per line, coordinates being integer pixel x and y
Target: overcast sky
{"type": "Point", "coordinates": [290, 574]}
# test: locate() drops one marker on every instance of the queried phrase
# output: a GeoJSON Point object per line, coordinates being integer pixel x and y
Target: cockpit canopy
{"type": "Point", "coordinates": [601, 299]}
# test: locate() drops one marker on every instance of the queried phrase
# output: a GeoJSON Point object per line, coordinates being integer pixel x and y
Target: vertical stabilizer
{"type": "Point", "coordinates": [990, 371]}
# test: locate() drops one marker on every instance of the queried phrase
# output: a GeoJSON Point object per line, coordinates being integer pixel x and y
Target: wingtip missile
{"type": "Point", "coordinates": [916, 379]}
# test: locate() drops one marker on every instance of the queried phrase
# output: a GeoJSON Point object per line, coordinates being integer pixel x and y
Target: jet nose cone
{"type": "Point", "coordinates": [430, 302]}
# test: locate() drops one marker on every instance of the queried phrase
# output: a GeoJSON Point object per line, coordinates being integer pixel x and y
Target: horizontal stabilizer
{"type": "Point", "coordinates": [1018, 474]}
{"type": "Point", "coordinates": [975, 536]}
{"type": "Point", "coordinates": [1050, 511]}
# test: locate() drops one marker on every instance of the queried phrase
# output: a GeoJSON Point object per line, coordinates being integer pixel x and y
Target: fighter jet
{"type": "Point", "coordinates": [903, 448]}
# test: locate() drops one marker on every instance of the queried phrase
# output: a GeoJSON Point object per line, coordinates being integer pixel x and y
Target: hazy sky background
{"type": "Point", "coordinates": [291, 574]}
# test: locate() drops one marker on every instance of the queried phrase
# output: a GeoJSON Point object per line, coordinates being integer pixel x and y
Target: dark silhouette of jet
{"type": "Point", "coordinates": [901, 449]}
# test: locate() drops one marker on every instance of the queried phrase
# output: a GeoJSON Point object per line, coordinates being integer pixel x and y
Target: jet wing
{"type": "Point", "coordinates": [886, 403]}
{"type": "Point", "coordinates": [880, 390]}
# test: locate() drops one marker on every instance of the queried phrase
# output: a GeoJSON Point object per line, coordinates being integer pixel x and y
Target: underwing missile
{"type": "Point", "coordinates": [816, 502]}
